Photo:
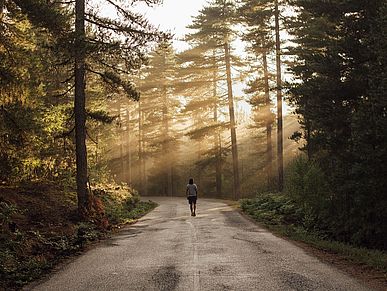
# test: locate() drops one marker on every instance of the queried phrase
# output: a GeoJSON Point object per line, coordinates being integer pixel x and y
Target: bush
{"type": "Point", "coordinates": [121, 203]}
{"type": "Point", "coordinates": [273, 208]}
{"type": "Point", "coordinates": [307, 185]}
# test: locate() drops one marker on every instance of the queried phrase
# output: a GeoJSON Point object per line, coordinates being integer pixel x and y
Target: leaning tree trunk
{"type": "Point", "coordinates": [234, 149]}
{"type": "Point", "coordinates": [280, 163]}
{"type": "Point", "coordinates": [269, 148]}
{"type": "Point", "coordinates": [80, 111]}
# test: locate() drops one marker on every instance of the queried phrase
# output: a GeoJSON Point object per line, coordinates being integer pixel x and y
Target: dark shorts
{"type": "Point", "coordinates": [192, 199]}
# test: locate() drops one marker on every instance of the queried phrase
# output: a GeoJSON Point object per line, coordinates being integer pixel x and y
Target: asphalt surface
{"type": "Point", "coordinates": [217, 250]}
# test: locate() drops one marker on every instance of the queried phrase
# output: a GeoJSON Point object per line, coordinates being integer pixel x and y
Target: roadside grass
{"type": "Point", "coordinates": [39, 227]}
{"type": "Point", "coordinates": [281, 215]}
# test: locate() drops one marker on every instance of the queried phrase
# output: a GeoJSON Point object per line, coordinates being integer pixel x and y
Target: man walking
{"type": "Point", "coordinates": [192, 195]}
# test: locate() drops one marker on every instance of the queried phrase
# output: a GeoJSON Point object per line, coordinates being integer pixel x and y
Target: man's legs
{"type": "Point", "coordinates": [194, 208]}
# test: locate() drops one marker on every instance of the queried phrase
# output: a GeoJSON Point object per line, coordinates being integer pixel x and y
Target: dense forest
{"type": "Point", "coordinates": [89, 98]}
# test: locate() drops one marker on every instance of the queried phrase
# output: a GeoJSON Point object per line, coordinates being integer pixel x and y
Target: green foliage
{"type": "Point", "coordinates": [273, 208]}
{"type": "Point", "coordinates": [37, 131]}
{"type": "Point", "coordinates": [122, 204]}
{"type": "Point", "coordinates": [6, 212]}
{"type": "Point", "coordinates": [26, 255]}
{"type": "Point", "coordinates": [307, 184]}
{"type": "Point", "coordinates": [101, 116]}
{"type": "Point", "coordinates": [87, 231]}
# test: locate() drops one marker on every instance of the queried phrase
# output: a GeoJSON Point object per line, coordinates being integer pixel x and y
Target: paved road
{"type": "Point", "coordinates": [216, 250]}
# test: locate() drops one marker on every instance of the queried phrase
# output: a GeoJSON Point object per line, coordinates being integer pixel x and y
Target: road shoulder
{"type": "Point", "coordinates": [373, 279]}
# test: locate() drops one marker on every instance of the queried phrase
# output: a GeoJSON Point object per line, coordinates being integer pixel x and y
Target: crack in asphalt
{"type": "Point", "coordinates": [195, 259]}
{"type": "Point", "coordinates": [253, 242]}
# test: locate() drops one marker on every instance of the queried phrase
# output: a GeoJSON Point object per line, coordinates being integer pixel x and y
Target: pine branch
{"type": "Point", "coordinates": [65, 134]}
{"type": "Point", "coordinates": [132, 17]}
{"type": "Point", "coordinates": [64, 93]}
{"type": "Point", "coordinates": [87, 133]}
{"type": "Point", "coordinates": [113, 80]}
{"type": "Point", "coordinates": [117, 27]}
{"type": "Point", "coordinates": [68, 79]}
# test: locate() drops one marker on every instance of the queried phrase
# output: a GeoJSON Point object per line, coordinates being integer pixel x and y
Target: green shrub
{"type": "Point", "coordinates": [121, 203]}
{"type": "Point", "coordinates": [273, 208]}
{"type": "Point", "coordinates": [6, 212]}
{"type": "Point", "coordinates": [307, 186]}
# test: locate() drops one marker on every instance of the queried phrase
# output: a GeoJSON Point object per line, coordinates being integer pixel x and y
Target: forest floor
{"type": "Point", "coordinates": [39, 227]}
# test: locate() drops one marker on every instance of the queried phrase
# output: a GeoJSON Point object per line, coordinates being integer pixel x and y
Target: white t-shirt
{"type": "Point", "coordinates": [192, 189]}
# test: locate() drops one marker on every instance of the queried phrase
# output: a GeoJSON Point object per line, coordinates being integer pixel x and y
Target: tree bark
{"type": "Point", "coordinates": [269, 148]}
{"type": "Point", "coordinates": [280, 162]}
{"type": "Point", "coordinates": [234, 149]}
{"type": "Point", "coordinates": [80, 111]}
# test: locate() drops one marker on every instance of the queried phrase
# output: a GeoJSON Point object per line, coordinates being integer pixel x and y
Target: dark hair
{"type": "Point", "coordinates": [190, 181]}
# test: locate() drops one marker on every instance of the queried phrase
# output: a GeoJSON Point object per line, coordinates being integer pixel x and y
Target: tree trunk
{"type": "Point", "coordinates": [80, 111]}
{"type": "Point", "coordinates": [234, 149]}
{"type": "Point", "coordinates": [122, 144]}
{"type": "Point", "coordinates": [141, 147]}
{"type": "Point", "coordinates": [128, 147]}
{"type": "Point", "coordinates": [269, 149]}
{"type": "Point", "coordinates": [279, 102]}
{"type": "Point", "coordinates": [218, 166]}
{"type": "Point", "coordinates": [1, 9]}
{"type": "Point", "coordinates": [166, 143]}
{"type": "Point", "coordinates": [96, 148]}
